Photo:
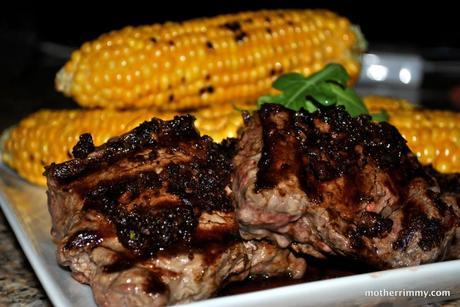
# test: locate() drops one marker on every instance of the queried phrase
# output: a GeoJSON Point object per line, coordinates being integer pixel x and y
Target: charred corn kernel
{"type": "Point", "coordinates": [433, 135]}
{"type": "Point", "coordinates": [208, 60]}
{"type": "Point", "coordinates": [49, 136]}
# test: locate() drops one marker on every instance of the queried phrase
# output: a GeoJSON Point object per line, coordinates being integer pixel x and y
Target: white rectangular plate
{"type": "Point", "coordinates": [25, 208]}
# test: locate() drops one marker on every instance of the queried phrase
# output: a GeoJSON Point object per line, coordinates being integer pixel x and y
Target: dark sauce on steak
{"type": "Point", "coordinates": [323, 145]}
{"type": "Point", "coordinates": [84, 239]}
{"type": "Point", "coordinates": [154, 285]}
{"type": "Point", "coordinates": [145, 227]}
{"type": "Point", "coordinates": [181, 176]}
{"type": "Point", "coordinates": [150, 134]}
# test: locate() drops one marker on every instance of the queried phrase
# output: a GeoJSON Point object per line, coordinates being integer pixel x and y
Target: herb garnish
{"type": "Point", "coordinates": [326, 87]}
{"type": "Point", "coordinates": [132, 235]}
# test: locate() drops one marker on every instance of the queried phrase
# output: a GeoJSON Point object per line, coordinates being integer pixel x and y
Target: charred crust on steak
{"type": "Point", "coordinates": [84, 146]}
{"type": "Point", "coordinates": [229, 147]}
{"type": "Point", "coordinates": [154, 133]}
{"type": "Point", "coordinates": [200, 185]}
{"type": "Point", "coordinates": [153, 284]}
{"type": "Point", "coordinates": [147, 229]}
{"type": "Point", "coordinates": [280, 157]}
{"type": "Point", "coordinates": [327, 142]}
{"type": "Point", "coordinates": [370, 225]}
{"type": "Point", "coordinates": [437, 200]}
{"type": "Point", "coordinates": [449, 183]}
{"type": "Point", "coordinates": [415, 221]}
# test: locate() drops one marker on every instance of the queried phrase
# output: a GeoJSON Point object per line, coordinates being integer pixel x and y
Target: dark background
{"type": "Point", "coordinates": [410, 23]}
{"type": "Point", "coordinates": [35, 39]}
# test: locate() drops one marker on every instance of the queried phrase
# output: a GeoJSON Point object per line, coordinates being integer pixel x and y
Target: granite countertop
{"type": "Point", "coordinates": [18, 284]}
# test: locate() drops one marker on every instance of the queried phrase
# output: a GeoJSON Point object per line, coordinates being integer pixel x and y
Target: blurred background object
{"type": "Point", "coordinates": [414, 51]}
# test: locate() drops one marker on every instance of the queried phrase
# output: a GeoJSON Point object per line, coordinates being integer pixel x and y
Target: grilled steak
{"type": "Point", "coordinates": [148, 219]}
{"type": "Point", "coordinates": [324, 183]}
{"type": "Point", "coordinates": [450, 187]}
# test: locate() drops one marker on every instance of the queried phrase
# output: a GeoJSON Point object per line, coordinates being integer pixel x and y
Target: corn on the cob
{"type": "Point", "coordinates": [177, 66]}
{"type": "Point", "coordinates": [48, 136]}
{"type": "Point", "coordinates": [433, 135]}
{"type": "Point", "coordinates": [376, 103]}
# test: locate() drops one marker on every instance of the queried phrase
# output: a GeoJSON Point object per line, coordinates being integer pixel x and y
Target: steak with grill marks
{"type": "Point", "coordinates": [325, 183]}
{"type": "Point", "coordinates": [147, 218]}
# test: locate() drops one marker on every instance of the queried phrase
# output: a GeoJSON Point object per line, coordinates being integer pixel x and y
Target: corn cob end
{"type": "Point", "coordinates": [63, 81]}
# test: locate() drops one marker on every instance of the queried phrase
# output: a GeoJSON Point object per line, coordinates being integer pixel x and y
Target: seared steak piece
{"type": "Point", "coordinates": [325, 183]}
{"type": "Point", "coordinates": [450, 187]}
{"type": "Point", "coordinates": [147, 218]}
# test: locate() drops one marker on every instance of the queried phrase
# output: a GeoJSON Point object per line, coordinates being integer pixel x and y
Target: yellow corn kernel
{"type": "Point", "coordinates": [229, 58]}
{"type": "Point", "coordinates": [376, 103]}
